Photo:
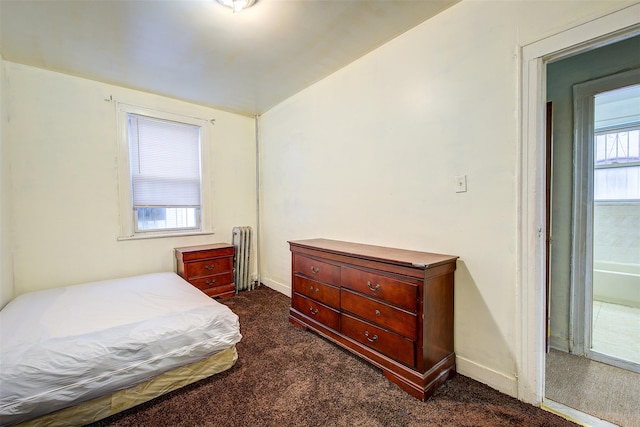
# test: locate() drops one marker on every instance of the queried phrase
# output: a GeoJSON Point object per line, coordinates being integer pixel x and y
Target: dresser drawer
{"type": "Point", "coordinates": [317, 311]}
{"type": "Point", "coordinates": [208, 267]}
{"type": "Point", "coordinates": [326, 294]}
{"type": "Point", "coordinates": [385, 288]}
{"type": "Point", "coordinates": [317, 270]}
{"type": "Point", "coordinates": [374, 311]}
{"type": "Point", "coordinates": [381, 340]}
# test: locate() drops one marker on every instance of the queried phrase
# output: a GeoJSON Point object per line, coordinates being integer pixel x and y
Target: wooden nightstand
{"type": "Point", "coordinates": [208, 268]}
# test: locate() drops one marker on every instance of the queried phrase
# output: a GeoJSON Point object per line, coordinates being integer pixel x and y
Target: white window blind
{"type": "Point", "coordinates": [165, 163]}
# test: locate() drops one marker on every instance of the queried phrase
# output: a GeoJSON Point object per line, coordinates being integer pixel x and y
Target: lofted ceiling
{"type": "Point", "coordinates": [201, 52]}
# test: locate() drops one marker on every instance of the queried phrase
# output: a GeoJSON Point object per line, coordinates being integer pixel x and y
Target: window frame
{"type": "Point", "coordinates": [627, 127]}
{"type": "Point", "coordinates": [127, 212]}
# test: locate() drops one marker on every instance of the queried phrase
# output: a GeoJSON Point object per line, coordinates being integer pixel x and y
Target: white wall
{"type": "Point", "coordinates": [62, 134]}
{"type": "Point", "coordinates": [6, 264]}
{"type": "Point", "coordinates": [370, 153]}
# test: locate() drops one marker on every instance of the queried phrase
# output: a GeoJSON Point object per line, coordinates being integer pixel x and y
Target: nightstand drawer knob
{"type": "Point", "coordinates": [207, 282]}
{"type": "Point", "coordinates": [315, 270]}
{"type": "Point", "coordinates": [313, 311]}
{"type": "Point", "coordinates": [210, 267]}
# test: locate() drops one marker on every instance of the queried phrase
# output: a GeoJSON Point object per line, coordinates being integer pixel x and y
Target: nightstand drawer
{"type": "Point", "coordinates": [213, 281]}
{"type": "Point", "coordinates": [195, 253]}
{"type": "Point", "coordinates": [208, 267]}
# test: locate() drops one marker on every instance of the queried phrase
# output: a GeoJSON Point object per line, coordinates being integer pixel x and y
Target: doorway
{"type": "Point", "coordinates": [592, 225]}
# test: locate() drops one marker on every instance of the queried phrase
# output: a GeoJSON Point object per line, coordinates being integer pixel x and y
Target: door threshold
{"type": "Point", "coordinates": [574, 415]}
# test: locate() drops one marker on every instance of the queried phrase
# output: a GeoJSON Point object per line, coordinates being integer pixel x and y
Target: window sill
{"type": "Point", "coordinates": [144, 236]}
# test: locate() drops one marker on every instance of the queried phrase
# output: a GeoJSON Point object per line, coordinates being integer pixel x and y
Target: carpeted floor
{"type": "Point", "coordinates": [289, 377]}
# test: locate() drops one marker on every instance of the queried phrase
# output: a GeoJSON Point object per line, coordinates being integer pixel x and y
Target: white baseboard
{"type": "Point", "coordinates": [559, 343]}
{"type": "Point", "coordinates": [507, 384]}
{"type": "Point", "coordinates": [276, 286]}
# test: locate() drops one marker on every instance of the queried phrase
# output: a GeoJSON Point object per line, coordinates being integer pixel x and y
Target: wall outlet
{"type": "Point", "coordinates": [461, 183]}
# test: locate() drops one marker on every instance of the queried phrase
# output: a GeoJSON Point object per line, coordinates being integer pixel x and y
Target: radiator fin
{"type": "Point", "coordinates": [242, 238]}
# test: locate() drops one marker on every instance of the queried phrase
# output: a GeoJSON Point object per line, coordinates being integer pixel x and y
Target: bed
{"type": "Point", "coordinates": [77, 354]}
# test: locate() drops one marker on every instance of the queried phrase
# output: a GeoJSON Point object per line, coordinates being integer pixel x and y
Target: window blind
{"type": "Point", "coordinates": [165, 163]}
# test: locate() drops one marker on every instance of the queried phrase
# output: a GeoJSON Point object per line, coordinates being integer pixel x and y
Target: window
{"type": "Point", "coordinates": [617, 144]}
{"type": "Point", "coordinates": [162, 164]}
{"type": "Point", "coordinates": [617, 164]}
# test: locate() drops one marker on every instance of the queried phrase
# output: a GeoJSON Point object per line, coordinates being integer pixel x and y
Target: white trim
{"type": "Point", "coordinates": [503, 383]}
{"type": "Point", "coordinates": [124, 177]}
{"type": "Point", "coordinates": [574, 415]}
{"type": "Point", "coordinates": [582, 216]}
{"type": "Point", "coordinates": [531, 190]}
{"type": "Point", "coordinates": [276, 286]}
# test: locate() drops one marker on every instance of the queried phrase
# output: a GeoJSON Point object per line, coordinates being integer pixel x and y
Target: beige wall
{"type": "Point", "coordinates": [6, 264]}
{"type": "Point", "coordinates": [370, 153]}
{"type": "Point", "coordinates": [62, 135]}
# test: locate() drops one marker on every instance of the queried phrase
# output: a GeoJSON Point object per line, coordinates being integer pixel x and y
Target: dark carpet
{"type": "Point", "coordinates": [285, 376]}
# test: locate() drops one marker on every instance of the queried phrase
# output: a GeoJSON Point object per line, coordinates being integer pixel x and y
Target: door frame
{"type": "Point", "coordinates": [582, 217]}
{"type": "Point", "coordinates": [531, 154]}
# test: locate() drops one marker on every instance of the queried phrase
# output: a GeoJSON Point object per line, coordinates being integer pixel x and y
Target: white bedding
{"type": "Point", "coordinates": [67, 345]}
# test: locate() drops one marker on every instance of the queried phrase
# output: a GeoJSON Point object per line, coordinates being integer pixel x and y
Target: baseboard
{"type": "Point", "coordinates": [559, 343]}
{"type": "Point", "coordinates": [276, 286]}
{"type": "Point", "coordinates": [506, 384]}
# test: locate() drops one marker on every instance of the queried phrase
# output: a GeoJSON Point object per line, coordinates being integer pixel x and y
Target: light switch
{"type": "Point", "coordinates": [461, 183]}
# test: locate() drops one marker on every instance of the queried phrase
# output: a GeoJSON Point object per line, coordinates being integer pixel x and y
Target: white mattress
{"type": "Point", "coordinates": [67, 345]}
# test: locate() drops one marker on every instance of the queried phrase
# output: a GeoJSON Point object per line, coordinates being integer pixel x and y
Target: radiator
{"type": "Point", "coordinates": [242, 261]}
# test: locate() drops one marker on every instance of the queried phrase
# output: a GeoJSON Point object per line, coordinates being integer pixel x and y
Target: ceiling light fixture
{"type": "Point", "coordinates": [237, 5]}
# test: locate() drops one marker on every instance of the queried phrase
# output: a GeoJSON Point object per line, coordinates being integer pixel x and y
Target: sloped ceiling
{"type": "Point", "coordinates": [201, 52]}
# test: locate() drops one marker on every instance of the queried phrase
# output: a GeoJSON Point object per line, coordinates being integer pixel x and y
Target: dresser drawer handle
{"type": "Point", "coordinates": [311, 289]}
{"type": "Point", "coordinates": [313, 311]}
{"type": "Point", "coordinates": [209, 267]}
{"type": "Point", "coordinates": [315, 270]}
{"type": "Point", "coordinates": [372, 339]}
{"type": "Point", "coordinates": [375, 288]}
{"type": "Point", "coordinates": [206, 282]}
{"type": "Point", "coordinates": [377, 312]}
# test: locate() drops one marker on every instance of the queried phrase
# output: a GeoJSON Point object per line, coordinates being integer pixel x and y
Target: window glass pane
{"type": "Point", "coordinates": [617, 147]}
{"type": "Point", "coordinates": [621, 183]}
{"type": "Point", "coordinates": [167, 218]}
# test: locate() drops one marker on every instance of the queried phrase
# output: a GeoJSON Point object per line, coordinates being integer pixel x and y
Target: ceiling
{"type": "Point", "coordinates": [201, 52]}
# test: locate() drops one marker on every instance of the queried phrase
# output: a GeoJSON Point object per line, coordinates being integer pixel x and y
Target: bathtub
{"type": "Point", "coordinates": [616, 283]}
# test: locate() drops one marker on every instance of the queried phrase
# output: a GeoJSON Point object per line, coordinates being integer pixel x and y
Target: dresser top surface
{"type": "Point", "coordinates": [380, 253]}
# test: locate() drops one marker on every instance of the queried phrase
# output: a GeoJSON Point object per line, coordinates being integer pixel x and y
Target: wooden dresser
{"type": "Point", "coordinates": [392, 307]}
{"type": "Point", "coordinates": [208, 268]}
